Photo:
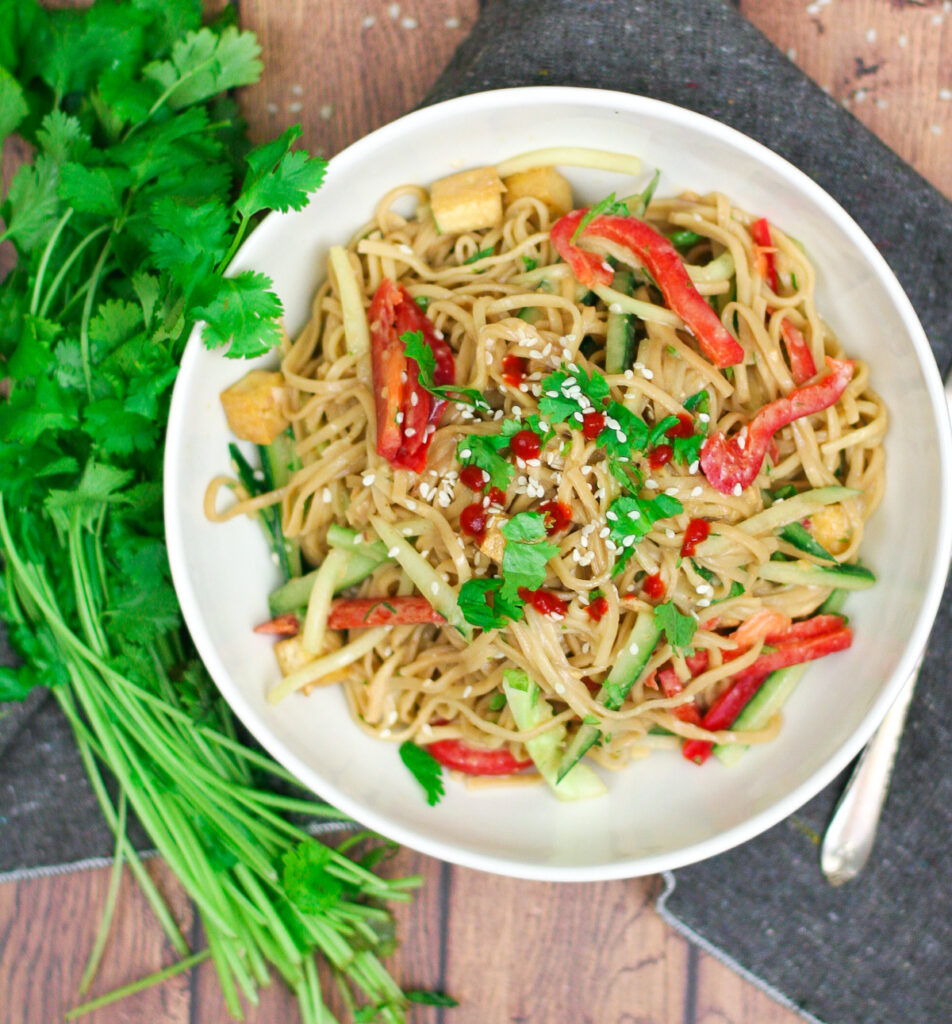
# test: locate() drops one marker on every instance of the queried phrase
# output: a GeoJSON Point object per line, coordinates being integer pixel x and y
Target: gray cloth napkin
{"type": "Point", "coordinates": [874, 952]}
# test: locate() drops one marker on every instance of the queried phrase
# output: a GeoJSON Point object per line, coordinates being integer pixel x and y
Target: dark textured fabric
{"type": "Point", "coordinates": [874, 952]}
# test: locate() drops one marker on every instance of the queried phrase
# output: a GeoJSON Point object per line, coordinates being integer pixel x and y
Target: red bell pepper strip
{"type": "Point", "coordinates": [472, 761]}
{"type": "Point", "coordinates": [760, 232]}
{"type": "Point", "coordinates": [668, 679]}
{"type": "Point", "coordinates": [818, 625]}
{"type": "Point", "coordinates": [802, 365]}
{"type": "Point", "coordinates": [404, 408]}
{"type": "Point", "coordinates": [660, 258]}
{"type": "Point", "coordinates": [363, 612]}
{"type": "Point", "coordinates": [281, 625]}
{"type": "Point", "coordinates": [795, 652]}
{"type": "Point", "coordinates": [688, 712]}
{"type": "Point", "coordinates": [723, 712]}
{"type": "Point", "coordinates": [726, 464]}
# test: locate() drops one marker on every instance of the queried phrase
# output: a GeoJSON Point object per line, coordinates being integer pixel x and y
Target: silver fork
{"type": "Point", "coordinates": [852, 830]}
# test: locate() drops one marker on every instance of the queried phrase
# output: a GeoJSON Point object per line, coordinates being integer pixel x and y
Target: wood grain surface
{"type": "Point", "coordinates": [518, 952]}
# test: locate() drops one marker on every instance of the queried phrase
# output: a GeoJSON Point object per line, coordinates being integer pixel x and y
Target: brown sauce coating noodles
{"type": "Point", "coordinates": [425, 682]}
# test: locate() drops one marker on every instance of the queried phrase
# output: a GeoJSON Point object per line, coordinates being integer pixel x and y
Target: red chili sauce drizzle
{"type": "Point", "coordinates": [514, 369]}
{"type": "Point", "coordinates": [558, 516]}
{"type": "Point", "coordinates": [544, 602]}
{"type": "Point", "coordinates": [473, 520]}
{"type": "Point", "coordinates": [597, 608]}
{"type": "Point", "coordinates": [697, 532]}
{"type": "Point", "coordinates": [683, 428]}
{"type": "Point", "coordinates": [526, 445]}
{"type": "Point", "coordinates": [593, 423]}
{"type": "Point", "coordinates": [473, 477]}
{"type": "Point", "coordinates": [497, 497]}
{"type": "Point", "coordinates": [660, 456]}
{"type": "Point", "coordinates": [653, 587]}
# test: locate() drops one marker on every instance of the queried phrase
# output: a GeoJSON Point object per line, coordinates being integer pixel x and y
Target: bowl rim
{"type": "Point", "coordinates": [630, 103]}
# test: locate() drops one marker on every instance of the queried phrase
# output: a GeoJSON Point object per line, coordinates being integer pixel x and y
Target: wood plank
{"type": "Point", "coordinates": [532, 952]}
{"type": "Point", "coordinates": [343, 69]}
{"type": "Point", "coordinates": [724, 997]}
{"type": "Point", "coordinates": [886, 63]}
{"type": "Point", "coordinates": [47, 928]}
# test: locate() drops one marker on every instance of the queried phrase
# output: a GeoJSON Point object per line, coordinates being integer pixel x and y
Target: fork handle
{"type": "Point", "coordinates": [852, 830]}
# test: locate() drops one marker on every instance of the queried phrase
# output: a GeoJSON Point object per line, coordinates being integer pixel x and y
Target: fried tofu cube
{"type": "Point", "coordinates": [291, 655]}
{"type": "Point", "coordinates": [493, 544]}
{"type": "Point", "coordinates": [830, 527]}
{"type": "Point", "coordinates": [255, 406]}
{"type": "Point", "coordinates": [468, 201]}
{"type": "Point", "coordinates": [544, 183]}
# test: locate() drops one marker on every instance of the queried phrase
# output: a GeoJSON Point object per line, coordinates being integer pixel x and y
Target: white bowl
{"type": "Point", "coordinates": [663, 812]}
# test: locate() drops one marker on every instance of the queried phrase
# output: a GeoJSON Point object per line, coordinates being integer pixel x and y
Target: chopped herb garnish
{"type": "Point", "coordinates": [477, 256]}
{"type": "Point", "coordinates": [529, 263]}
{"type": "Point", "coordinates": [421, 353]}
{"type": "Point", "coordinates": [590, 720]}
{"type": "Point", "coordinates": [678, 629]}
{"type": "Point", "coordinates": [700, 401]}
{"type": "Point", "coordinates": [645, 197]}
{"type": "Point", "coordinates": [484, 606]}
{"type": "Point", "coordinates": [629, 436]}
{"type": "Point", "coordinates": [526, 553]}
{"type": "Point", "coordinates": [609, 205]}
{"type": "Point", "coordinates": [423, 301]}
{"type": "Point", "coordinates": [661, 428]}
{"type": "Point", "coordinates": [568, 395]}
{"type": "Point", "coordinates": [497, 702]}
{"type": "Point", "coordinates": [425, 768]}
{"type": "Point", "coordinates": [784, 492]}
{"type": "Point", "coordinates": [630, 520]}
{"type": "Point", "coordinates": [687, 450]}
{"type": "Point", "coordinates": [685, 239]}
{"type": "Point", "coordinates": [483, 450]}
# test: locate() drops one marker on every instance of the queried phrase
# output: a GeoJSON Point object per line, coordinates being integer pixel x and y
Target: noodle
{"type": "Point", "coordinates": [502, 292]}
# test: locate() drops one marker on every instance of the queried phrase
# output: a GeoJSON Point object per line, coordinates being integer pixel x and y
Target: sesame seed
{"type": "Point", "coordinates": [614, 308]}
{"type": "Point", "coordinates": [696, 492]}
{"type": "Point", "coordinates": [671, 491]}
{"type": "Point", "coordinates": [560, 688]}
{"type": "Point", "coordinates": [633, 649]}
{"type": "Point", "coordinates": [434, 588]}
{"type": "Point", "coordinates": [693, 468]}
{"type": "Point", "coordinates": [368, 479]}
{"type": "Point", "coordinates": [604, 532]}
{"type": "Point", "coordinates": [414, 400]}
{"type": "Point", "coordinates": [613, 516]}
{"type": "Point", "coordinates": [399, 416]}
{"type": "Point", "coordinates": [738, 490]}
{"type": "Point", "coordinates": [426, 729]}
{"type": "Point", "coordinates": [409, 432]}
{"type": "Point", "coordinates": [705, 602]}
{"type": "Point", "coordinates": [327, 496]}
{"type": "Point", "coordinates": [411, 505]}
{"type": "Point", "coordinates": [634, 515]}
{"type": "Point", "coordinates": [392, 717]}
{"type": "Point", "coordinates": [669, 533]}
{"type": "Point", "coordinates": [465, 454]}
{"type": "Point", "coordinates": [467, 691]}
{"type": "Point", "coordinates": [652, 485]}
{"type": "Point", "coordinates": [384, 733]}
{"type": "Point", "coordinates": [704, 417]}
{"type": "Point", "coordinates": [393, 552]}
{"type": "Point", "coordinates": [647, 374]}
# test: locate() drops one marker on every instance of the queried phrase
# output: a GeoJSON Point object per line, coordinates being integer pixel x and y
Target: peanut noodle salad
{"type": "Point", "coordinates": [555, 487]}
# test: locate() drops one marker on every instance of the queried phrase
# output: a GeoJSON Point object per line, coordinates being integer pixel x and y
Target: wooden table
{"type": "Point", "coordinates": [510, 951]}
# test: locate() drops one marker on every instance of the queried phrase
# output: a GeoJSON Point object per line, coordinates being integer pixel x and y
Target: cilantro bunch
{"type": "Point", "coordinates": [139, 192]}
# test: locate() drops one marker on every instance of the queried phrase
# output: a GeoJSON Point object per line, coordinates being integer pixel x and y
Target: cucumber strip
{"type": "Point", "coordinates": [294, 595]}
{"type": "Point", "coordinates": [720, 269]}
{"type": "Point", "coordinates": [643, 310]}
{"type": "Point", "coordinates": [629, 665]}
{"type": "Point", "coordinates": [352, 305]}
{"type": "Point", "coordinates": [789, 511]}
{"type": "Point", "coordinates": [279, 461]}
{"type": "Point", "coordinates": [352, 540]}
{"type": "Point", "coordinates": [319, 601]}
{"type": "Point", "coordinates": [833, 605]}
{"type": "Point", "coordinates": [570, 156]}
{"type": "Point", "coordinates": [620, 332]}
{"type": "Point", "coordinates": [315, 670]}
{"type": "Point", "coordinates": [270, 516]}
{"type": "Point", "coordinates": [765, 703]}
{"type": "Point", "coordinates": [801, 538]}
{"type": "Point", "coordinates": [424, 577]}
{"type": "Point", "coordinates": [530, 710]}
{"type": "Point", "coordinates": [805, 574]}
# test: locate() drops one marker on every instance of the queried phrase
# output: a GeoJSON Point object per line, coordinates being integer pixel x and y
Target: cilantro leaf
{"type": "Point", "coordinates": [13, 107]}
{"type": "Point", "coordinates": [421, 353]}
{"type": "Point", "coordinates": [687, 450]}
{"type": "Point", "coordinates": [609, 206]}
{"type": "Point", "coordinates": [279, 179]}
{"type": "Point", "coordinates": [425, 769]}
{"type": "Point", "coordinates": [631, 518]}
{"type": "Point", "coordinates": [95, 190]}
{"type": "Point", "coordinates": [678, 629]}
{"type": "Point", "coordinates": [526, 554]}
{"type": "Point", "coordinates": [477, 256]}
{"type": "Point", "coordinates": [32, 205]}
{"type": "Point", "coordinates": [630, 435]}
{"type": "Point", "coordinates": [483, 450]}
{"type": "Point", "coordinates": [684, 239]}
{"type": "Point", "coordinates": [660, 429]}
{"type": "Point", "coordinates": [529, 263]}
{"type": "Point", "coordinates": [483, 604]}
{"type": "Point", "coordinates": [569, 395]}
{"type": "Point", "coordinates": [242, 313]}
{"type": "Point", "coordinates": [306, 879]}
{"type": "Point", "coordinates": [700, 401]}
{"type": "Point", "coordinates": [203, 64]}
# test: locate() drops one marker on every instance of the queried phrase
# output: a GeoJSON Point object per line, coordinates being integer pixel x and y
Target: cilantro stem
{"type": "Point", "coordinates": [45, 259]}
{"type": "Point", "coordinates": [179, 967]}
{"type": "Point", "coordinates": [105, 922]}
{"type": "Point", "coordinates": [87, 313]}
{"type": "Point", "coordinates": [68, 263]}
{"type": "Point", "coordinates": [235, 243]}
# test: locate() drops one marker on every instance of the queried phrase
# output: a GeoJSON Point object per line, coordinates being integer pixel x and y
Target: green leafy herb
{"type": "Point", "coordinates": [425, 768]}
{"type": "Point", "coordinates": [629, 436]}
{"type": "Point", "coordinates": [609, 206]}
{"type": "Point", "coordinates": [630, 519]}
{"type": "Point", "coordinates": [678, 629]}
{"type": "Point", "coordinates": [526, 553]}
{"type": "Point", "coordinates": [568, 394]}
{"type": "Point", "coordinates": [698, 402]}
{"type": "Point", "coordinates": [529, 263]}
{"type": "Point", "coordinates": [477, 256]}
{"type": "Point", "coordinates": [483, 605]}
{"type": "Point", "coordinates": [421, 353]}
{"type": "Point", "coordinates": [687, 450]}
{"type": "Point", "coordinates": [660, 430]}
{"type": "Point", "coordinates": [497, 702]}
{"type": "Point", "coordinates": [423, 301]}
{"type": "Point", "coordinates": [309, 884]}
{"type": "Point", "coordinates": [639, 204]}
{"type": "Point", "coordinates": [483, 450]}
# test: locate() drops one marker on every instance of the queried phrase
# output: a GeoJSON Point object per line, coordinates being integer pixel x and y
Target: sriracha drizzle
{"type": "Point", "coordinates": [473, 520]}
{"type": "Point", "coordinates": [558, 516]}
{"type": "Point", "coordinates": [473, 477]}
{"type": "Point", "coordinates": [698, 531]}
{"type": "Point", "coordinates": [526, 445]}
{"type": "Point", "coordinates": [544, 602]}
{"type": "Point", "coordinates": [514, 369]}
{"type": "Point", "coordinates": [653, 587]}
